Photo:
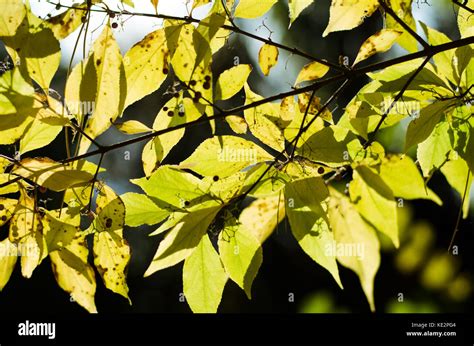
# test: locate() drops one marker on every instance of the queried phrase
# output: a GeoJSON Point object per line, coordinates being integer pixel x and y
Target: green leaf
{"type": "Point", "coordinates": [402, 176]}
{"type": "Point", "coordinates": [169, 186]}
{"type": "Point", "coordinates": [357, 245]}
{"type": "Point", "coordinates": [253, 9]}
{"type": "Point", "coordinates": [348, 14]}
{"type": "Point", "coordinates": [312, 71]}
{"type": "Point", "coordinates": [421, 127]}
{"type": "Point", "coordinates": [433, 151]}
{"type": "Point", "coordinates": [231, 154]}
{"type": "Point", "coordinates": [403, 10]}
{"type": "Point", "coordinates": [375, 202]}
{"type": "Point", "coordinates": [466, 20]}
{"type": "Point", "coordinates": [13, 12]}
{"type": "Point", "coordinates": [379, 42]}
{"type": "Point", "coordinates": [110, 87]}
{"type": "Point", "coordinates": [267, 58]}
{"type": "Point", "coordinates": [8, 259]}
{"type": "Point", "coordinates": [231, 81]}
{"type": "Point", "coordinates": [240, 253]}
{"type": "Point", "coordinates": [296, 7]}
{"type": "Point", "coordinates": [328, 146]}
{"type": "Point", "coordinates": [111, 250]}
{"type": "Point", "coordinates": [309, 223]}
{"type": "Point", "coordinates": [141, 210]}
{"type": "Point", "coordinates": [204, 278]}
{"type": "Point", "coordinates": [443, 60]}
{"type": "Point", "coordinates": [456, 173]}
{"type": "Point", "coordinates": [181, 241]}
{"type": "Point", "coordinates": [146, 66]}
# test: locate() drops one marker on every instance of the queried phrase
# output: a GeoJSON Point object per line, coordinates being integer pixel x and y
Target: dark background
{"type": "Point", "coordinates": [430, 279]}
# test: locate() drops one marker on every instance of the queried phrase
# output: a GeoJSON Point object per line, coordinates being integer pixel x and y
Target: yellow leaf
{"type": "Point", "coordinates": [377, 43]}
{"type": "Point", "coordinates": [204, 278]}
{"type": "Point", "coordinates": [26, 230]}
{"type": "Point", "coordinates": [267, 58]}
{"type": "Point", "coordinates": [466, 20]}
{"type": "Point", "coordinates": [198, 3]}
{"type": "Point", "coordinates": [264, 121]}
{"type": "Point", "coordinates": [12, 14]}
{"type": "Point", "coordinates": [312, 71]}
{"type": "Point", "coordinates": [111, 86]}
{"type": "Point", "coordinates": [402, 8]}
{"type": "Point", "coordinates": [111, 251]}
{"type": "Point", "coordinates": [37, 135]}
{"type": "Point", "coordinates": [375, 202]}
{"type": "Point", "coordinates": [231, 81]}
{"type": "Point", "coordinates": [231, 154]}
{"type": "Point", "coordinates": [7, 208]}
{"type": "Point", "coordinates": [357, 245]}
{"type": "Point", "coordinates": [263, 215]}
{"type": "Point", "coordinates": [133, 127]}
{"type": "Point", "coordinates": [35, 49]}
{"type": "Point", "coordinates": [8, 259]}
{"type": "Point", "coordinates": [192, 60]}
{"type": "Point", "coordinates": [68, 254]}
{"type": "Point", "coordinates": [176, 111]}
{"type": "Point", "coordinates": [146, 66]}
{"type": "Point", "coordinates": [50, 174]}
{"type": "Point", "coordinates": [296, 7]}
{"type": "Point", "coordinates": [67, 22]}
{"type": "Point", "coordinates": [253, 9]}
{"type": "Point", "coordinates": [348, 14]}
{"type": "Point", "coordinates": [237, 124]}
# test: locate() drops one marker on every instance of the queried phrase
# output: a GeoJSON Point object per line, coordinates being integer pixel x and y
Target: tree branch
{"type": "Point", "coordinates": [405, 26]}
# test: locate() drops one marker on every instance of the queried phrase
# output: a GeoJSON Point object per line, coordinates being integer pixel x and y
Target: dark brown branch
{"type": "Point", "coordinates": [463, 6]}
{"type": "Point", "coordinates": [404, 25]}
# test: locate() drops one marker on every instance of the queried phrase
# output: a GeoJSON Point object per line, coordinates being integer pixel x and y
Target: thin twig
{"type": "Point", "coordinates": [458, 220]}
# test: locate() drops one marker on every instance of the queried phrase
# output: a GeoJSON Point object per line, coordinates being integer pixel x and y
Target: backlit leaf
{"type": "Point", "coordinates": [231, 81]}
{"type": "Point", "coordinates": [204, 278]}
{"type": "Point", "coordinates": [296, 7]}
{"type": "Point", "coordinates": [375, 201]}
{"type": "Point", "coordinates": [13, 12]}
{"type": "Point", "coordinates": [357, 245]}
{"type": "Point", "coordinates": [348, 14]}
{"type": "Point", "coordinates": [8, 259]}
{"type": "Point", "coordinates": [111, 86]}
{"type": "Point", "coordinates": [309, 222]}
{"type": "Point", "coordinates": [312, 71]}
{"type": "Point", "coordinates": [267, 58]}
{"type": "Point", "coordinates": [229, 153]}
{"type": "Point", "coordinates": [146, 66]}
{"type": "Point", "coordinates": [253, 9]}
{"type": "Point", "coordinates": [377, 43]}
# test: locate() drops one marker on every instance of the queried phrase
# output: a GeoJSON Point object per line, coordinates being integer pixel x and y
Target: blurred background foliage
{"type": "Point", "coordinates": [422, 276]}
